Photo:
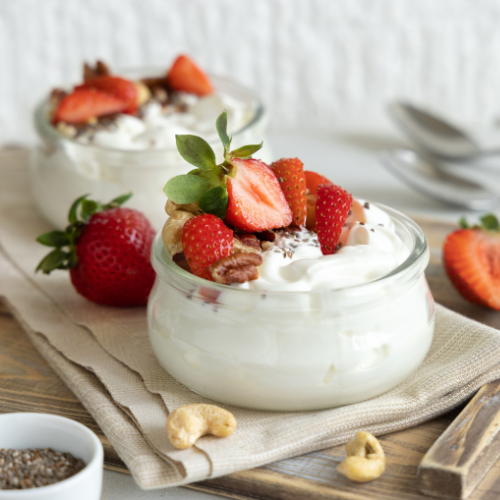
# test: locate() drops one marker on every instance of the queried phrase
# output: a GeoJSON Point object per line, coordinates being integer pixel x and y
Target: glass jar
{"type": "Point", "coordinates": [291, 351]}
{"type": "Point", "coordinates": [63, 169]}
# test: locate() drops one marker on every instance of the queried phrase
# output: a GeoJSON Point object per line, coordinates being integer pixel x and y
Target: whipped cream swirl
{"type": "Point", "coordinates": [369, 248]}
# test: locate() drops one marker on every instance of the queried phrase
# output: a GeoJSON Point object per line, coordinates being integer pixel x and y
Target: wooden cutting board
{"type": "Point", "coordinates": [27, 383]}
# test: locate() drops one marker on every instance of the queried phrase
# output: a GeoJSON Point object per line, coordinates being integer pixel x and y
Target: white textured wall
{"type": "Point", "coordinates": [317, 63]}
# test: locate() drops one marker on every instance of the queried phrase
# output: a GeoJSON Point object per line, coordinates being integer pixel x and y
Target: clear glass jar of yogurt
{"type": "Point", "coordinates": [295, 350]}
{"type": "Point", "coordinates": [63, 169]}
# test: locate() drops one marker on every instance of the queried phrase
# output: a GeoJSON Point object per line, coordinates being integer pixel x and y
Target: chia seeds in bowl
{"type": "Point", "coordinates": [23, 469]}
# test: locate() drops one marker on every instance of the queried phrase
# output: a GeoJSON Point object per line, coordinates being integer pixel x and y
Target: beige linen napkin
{"type": "Point", "coordinates": [104, 355]}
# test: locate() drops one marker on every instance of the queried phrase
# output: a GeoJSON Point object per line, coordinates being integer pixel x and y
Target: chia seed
{"type": "Point", "coordinates": [23, 469]}
{"type": "Point", "coordinates": [366, 205]}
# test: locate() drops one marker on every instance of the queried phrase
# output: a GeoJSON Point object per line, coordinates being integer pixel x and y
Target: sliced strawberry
{"type": "Point", "coordinates": [472, 261]}
{"type": "Point", "coordinates": [332, 208]}
{"type": "Point", "coordinates": [84, 104]}
{"type": "Point", "coordinates": [256, 201]}
{"type": "Point", "coordinates": [186, 76]}
{"type": "Point", "coordinates": [290, 174]}
{"type": "Point", "coordinates": [205, 239]}
{"type": "Point", "coordinates": [122, 89]}
{"type": "Point", "coordinates": [313, 180]}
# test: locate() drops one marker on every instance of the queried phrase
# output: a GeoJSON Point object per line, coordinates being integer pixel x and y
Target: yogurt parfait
{"type": "Point", "coordinates": [276, 290]}
{"type": "Point", "coordinates": [112, 134]}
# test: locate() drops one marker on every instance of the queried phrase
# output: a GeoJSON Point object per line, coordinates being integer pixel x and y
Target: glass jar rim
{"type": "Point", "coordinates": [44, 127]}
{"type": "Point", "coordinates": [414, 264]}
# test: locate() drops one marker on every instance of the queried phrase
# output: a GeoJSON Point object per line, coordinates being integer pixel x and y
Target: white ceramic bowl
{"type": "Point", "coordinates": [38, 430]}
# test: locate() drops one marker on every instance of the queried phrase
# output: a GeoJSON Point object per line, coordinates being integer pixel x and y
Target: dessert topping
{"type": "Point", "coordinates": [106, 249]}
{"type": "Point", "coordinates": [242, 190]}
{"type": "Point", "coordinates": [246, 242]}
{"type": "Point", "coordinates": [205, 239]}
{"type": "Point", "coordinates": [100, 69]}
{"type": "Point", "coordinates": [85, 104]}
{"type": "Point", "coordinates": [237, 268]}
{"type": "Point", "coordinates": [186, 76]}
{"type": "Point", "coordinates": [172, 231]}
{"type": "Point", "coordinates": [313, 180]}
{"type": "Point", "coordinates": [292, 179]}
{"type": "Point", "coordinates": [471, 258]}
{"type": "Point", "coordinates": [122, 89]}
{"type": "Point", "coordinates": [332, 208]}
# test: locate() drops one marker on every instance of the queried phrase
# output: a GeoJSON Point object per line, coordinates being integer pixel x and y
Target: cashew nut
{"type": "Point", "coordinates": [188, 423]}
{"type": "Point", "coordinates": [143, 93]}
{"type": "Point", "coordinates": [172, 231]}
{"type": "Point", "coordinates": [365, 458]}
{"type": "Point", "coordinates": [192, 208]}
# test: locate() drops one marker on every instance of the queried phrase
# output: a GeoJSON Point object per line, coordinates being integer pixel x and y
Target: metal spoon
{"type": "Point", "coordinates": [423, 174]}
{"type": "Point", "coordinates": [435, 134]}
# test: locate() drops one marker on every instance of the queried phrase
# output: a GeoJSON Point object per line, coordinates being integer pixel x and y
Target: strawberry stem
{"type": "Point", "coordinates": [64, 242]}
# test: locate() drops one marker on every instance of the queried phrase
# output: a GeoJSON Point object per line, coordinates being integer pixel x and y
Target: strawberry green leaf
{"type": "Point", "coordinates": [221, 126]}
{"type": "Point", "coordinates": [186, 188]}
{"type": "Point", "coordinates": [54, 239]}
{"type": "Point", "coordinates": [196, 151]}
{"type": "Point", "coordinates": [245, 151]}
{"type": "Point", "coordinates": [89, 208]}
{"type": "Point", "coordinates": [215, 202]}
{"type": "Point", "coordinates": [462, 222]}
{"type": "Point", "coordinates": [489, 222]}
{"type": "Point", "coordinates": [120, 200]}
{"type": "Point", "coordinates": [73, 211]}
{"type": "Point", "coordinates": [54, 260]}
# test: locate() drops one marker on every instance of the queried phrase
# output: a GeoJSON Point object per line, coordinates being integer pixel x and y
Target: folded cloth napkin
{"type": "Point", "coordinates": [104, 356]}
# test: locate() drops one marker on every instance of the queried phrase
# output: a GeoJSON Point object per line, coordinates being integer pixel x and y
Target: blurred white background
{"type": "Point", "coordinates": [318, 64]}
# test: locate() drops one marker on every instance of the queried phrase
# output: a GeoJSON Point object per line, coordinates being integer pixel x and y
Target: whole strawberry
{"type": "Point", "coordinates": [471, 257]}
{"type": "Point", "coordinates": [205, 239]}
{"type": "Point", "coordinates": [292, 178]}
{"type": "Point", "coordinates": [106, 249]}
{"type": "Point", "coordinates": [332, 208]}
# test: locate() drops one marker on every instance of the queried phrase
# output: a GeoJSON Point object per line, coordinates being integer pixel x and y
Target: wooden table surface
{"type": "Point", "coordinates": [29, 384]}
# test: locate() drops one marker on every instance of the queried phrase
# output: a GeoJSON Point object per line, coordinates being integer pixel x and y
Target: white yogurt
{"type": "Point", "coordinates": [158, 126]}
{"type": "Point", "coordinates": [368, 250]}
{"type": "Point", "coordinates": [301, 337]}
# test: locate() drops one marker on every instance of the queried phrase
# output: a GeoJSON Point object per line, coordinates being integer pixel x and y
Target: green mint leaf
{"type": "Point", "coordinates": [73, 211]}
{"type": "Point", "coordinates": [89, 208]}
{"type": "Point", "coordinates": [120, 200]}
{"type": "Point", "coordinates": [54, 239]}
{"type": "Point", "coordinates": [221, 126]}
{"type": "Point", "coordinates": [54, 260]}
{"type": "Point", "coordinates": [215, 202]}
{"type": "Point", "coordinates": [186, 188]}
{"type": "Point", "coordinates": [462, 222]}
{"type": "Point", "coordinates": [196, 151]}
{"type": "Point", "coordinates": [489, 222]}
{"type": "Point", "coordinates": [245, 151]}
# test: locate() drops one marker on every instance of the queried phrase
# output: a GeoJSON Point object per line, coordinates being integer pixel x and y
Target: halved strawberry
{"type": "Point", "coordinates": [84, 104]}
{"type": "Point", "coordinates": [332, 208]}
{"type": "Point", "coordinates": [122, 89]}
{"type": "Point", "coordinates": [256, 201]}
{"type": "Point", "coordinates": [471, 259]}
{"type": "Point", "coordinates": [205, 239]}
{"type": "Point", "coordinates": [186, 76]}
{"type": "Point", "coordinates": [290, 174]}
{"type": "Point", "coordinates": [313, 180]}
